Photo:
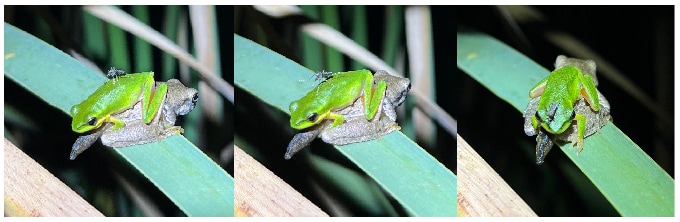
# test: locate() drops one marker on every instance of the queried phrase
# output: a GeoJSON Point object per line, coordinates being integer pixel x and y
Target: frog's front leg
{"type": "Point", "coordinates": [117, 123]}
{"type": "Point", "coordinates": [173, 130]}
{"type": "Point", "coordinates": [581, 124]}
{"type": "Point", "coordinates": [337, 119]}
{"type": "Point", "coordinates": [152, 100]}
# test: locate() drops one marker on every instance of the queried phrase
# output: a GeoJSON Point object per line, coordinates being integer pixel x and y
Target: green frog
{"type": "Point", "coordinates": [593, 119]}
{"type": "Point", "coordinates": [179, 100]}
{"type": "Point", "coordinates": [356, 127]}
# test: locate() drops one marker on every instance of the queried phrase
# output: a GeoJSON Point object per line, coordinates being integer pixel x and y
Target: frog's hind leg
{"type": "Point", "coordinates": [373, 97]}
{"type": "Point", "coordinates": [589, 92]}
{"type": "Point", "coordinates": [151, 107]}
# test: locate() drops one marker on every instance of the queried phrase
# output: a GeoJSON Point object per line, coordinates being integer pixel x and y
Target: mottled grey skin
{"type": "Point", "coordinates": [395, 94]}
{"type": "Point", "coordinates": [179, 100]}
{"type": "Point", "coordinates": [356, 127]}
{"type": "Point", "coordinates": [594, 119]}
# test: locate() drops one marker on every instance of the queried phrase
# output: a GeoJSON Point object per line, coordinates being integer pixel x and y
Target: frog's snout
{"type": "Point", "coordinates": [554, 126]}
{"type": "Point", "coordinates": [296, 124]}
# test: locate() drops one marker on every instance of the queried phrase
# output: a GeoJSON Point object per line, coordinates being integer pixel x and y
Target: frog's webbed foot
{"type": "Point", "coordinates": [174, 130]}
{"type": "Point", "coordinates": [579, 147]}
{"type": "Point", "coordinates": [170, 131]}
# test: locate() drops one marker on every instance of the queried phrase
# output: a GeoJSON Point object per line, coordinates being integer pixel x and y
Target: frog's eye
{"type": "Point", "coordinates": [312, 117]}
{"type": "Point", "coordinates": [92, 121]}
{"type": "Point", "coordinates": [195, 98]}
{"type": "Point", "coordinates": [538, 117]}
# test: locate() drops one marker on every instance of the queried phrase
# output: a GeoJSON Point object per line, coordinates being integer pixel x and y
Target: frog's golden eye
{"type": "Point", "coordinates": [92, 121]}
{"type": "Point", "coordinates": [312, 117]}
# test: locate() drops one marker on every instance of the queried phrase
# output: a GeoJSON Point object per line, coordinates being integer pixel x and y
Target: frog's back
{"type": "Point", "coordinates": [342, 89]}
{"type": "Point", "coordinates": [562, 82]}
{"type": "Point", "coordinates": [115, 95]}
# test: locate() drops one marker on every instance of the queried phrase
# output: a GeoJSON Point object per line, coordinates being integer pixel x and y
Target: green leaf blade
{"type": "Point", "coordinates": [183, 169]}
{"type": "Point", "coordinates": [424, 185]}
